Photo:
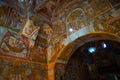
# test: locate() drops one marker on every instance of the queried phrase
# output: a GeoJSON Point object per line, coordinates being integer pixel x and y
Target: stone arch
{"type": "Point", "coordinates": [87, 38]}
{"type": "Point", "coordinates": [69, 50]}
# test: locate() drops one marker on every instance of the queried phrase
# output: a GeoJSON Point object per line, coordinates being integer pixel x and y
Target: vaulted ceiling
{"type": "Point", "coordinates": [41, 12]}
{"type": "Point", "coordinates": [43, 25]}
{"type": "Point", "coordinates": [46, 10]}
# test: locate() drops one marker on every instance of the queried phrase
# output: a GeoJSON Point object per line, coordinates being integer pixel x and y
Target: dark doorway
{"type": "Point", "coordinates": [95, 60]}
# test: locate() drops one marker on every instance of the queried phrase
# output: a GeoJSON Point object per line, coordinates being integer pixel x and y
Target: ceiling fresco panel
{"type": "Point", "coordinates": [100, 6]}
{"type": "Point", "coordinates": [75, 21]}
{"type": "Point", "coordinates": [30, 30]}
{"type": "Point", "coordinates": [38, 54]}
{"type": "Point", "coordinates": [14, 45]}
{"type": "Point", "coordinates": [17, 70]}
{"type": "Point", "coordinates": [112, 19]}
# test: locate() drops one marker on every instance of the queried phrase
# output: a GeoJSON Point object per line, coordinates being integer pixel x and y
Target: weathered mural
{"type": "Point", "coordinates": [14, 45]}
{"type": "Point", "coordinates": [59, 71]}
{"type": "Point", "coordinates": [44, 35]}
{"type": "Point", "coordinates": [106, 20]}
{"type": "Point", "coordinates": [12, 69]}
{"type": "Point", "coordinates": [110, 21]}
{"type": "Point", "coordinates": [104, 6]}
{"type": "Point", "coordinates": [38, 54]}
{"type": "Point", "coordinates": [22, 36]}
{"type": "Point", "coordinates": [53, 51]}
{"type": "Point", "coordinates": [75, 20]}
{"type": "Point", "coordinates": [10, 18]}
{"type": "Point", "coordinates": [30, 30]}
{"type": "Point", "coordinates": [15, 21]}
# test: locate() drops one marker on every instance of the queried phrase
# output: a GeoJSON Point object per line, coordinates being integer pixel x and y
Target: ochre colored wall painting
{"type": "Point", "coordinates": [11, 18]}
{"type": "Point", "coordinates": [13, 69]}
{"type": "Point", "coordinates": [104, 6]}
{"type": "Point", "coordinates": [30, 30]}
{"type": "Point", "coordinates": [23, 45]}
{"type": "Point", "coordinates": [38, 54]}
{"type": "Point", "coordinates": [14, 45]}
{"type": "Point", "coordinates": [18, 23]}
{"type": "Point", "coordinates": [109, 21]}
{"type": "Point", "coordinates": [59, 71]}
{"type": "Point", "coordinates": [54, 50]}
{"type": "Point", "coordinates": [75, 20]}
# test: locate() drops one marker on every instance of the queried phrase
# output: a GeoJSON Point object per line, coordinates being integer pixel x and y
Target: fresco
{"type": "Point", "coordinates": [92, 10]}
{"type": "Point", "coordinates": [75, 20]}
{"type": "Point", "coordinates": [42, 44]}
{"type": "Point", "coordinates": [46, 31]}
{"type": "Point", "coordinates": [88, 10]}
{"type": "Point", "coordinates": [111, 20]}
{"type": "Point", "coordinates": [42, 54]}
{"type": "Point", "coordinates": [89, 13]}
{"type": "Point", "coordinates": [30, 30]}
{"type": "Point", "coordinates": [10, 18]}
{"type": "Point", "coordinates": [14, 45]}
{"type": "Point", "coordinates": [3, 14]}
{"type": "Point", "coordinates": [17, 70]}
{"type": "Point", "coordinates": [104, 6]}
{"type": "Point", "coordinates": [38, 54]}
{"type": "Point", "coordinates": [59, 71]}
{"type": "Point", "coordinates": [111, 15]}
{"type": "Point", "coordinates": [58, 28]}
{"type": "Point", "coordinates": [53, 50]}
{"type": "Point", "coordinates": [44, 35]}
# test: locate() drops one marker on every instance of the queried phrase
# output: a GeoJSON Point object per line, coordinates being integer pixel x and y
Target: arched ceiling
{"type": "Point", "coordinates": [46, 14]}
{"type": "Point", "coordinates": [47, 10]}
{"type": "Point", "coordinates": [43, 25]}
{"type": "Point", "coordinates": [68, 50]}
{"type": "Point", "coordinates": [52, 12]}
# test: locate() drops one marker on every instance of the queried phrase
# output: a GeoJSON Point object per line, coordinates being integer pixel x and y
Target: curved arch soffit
{"type": "Point", "coordinates": [69, 49]}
